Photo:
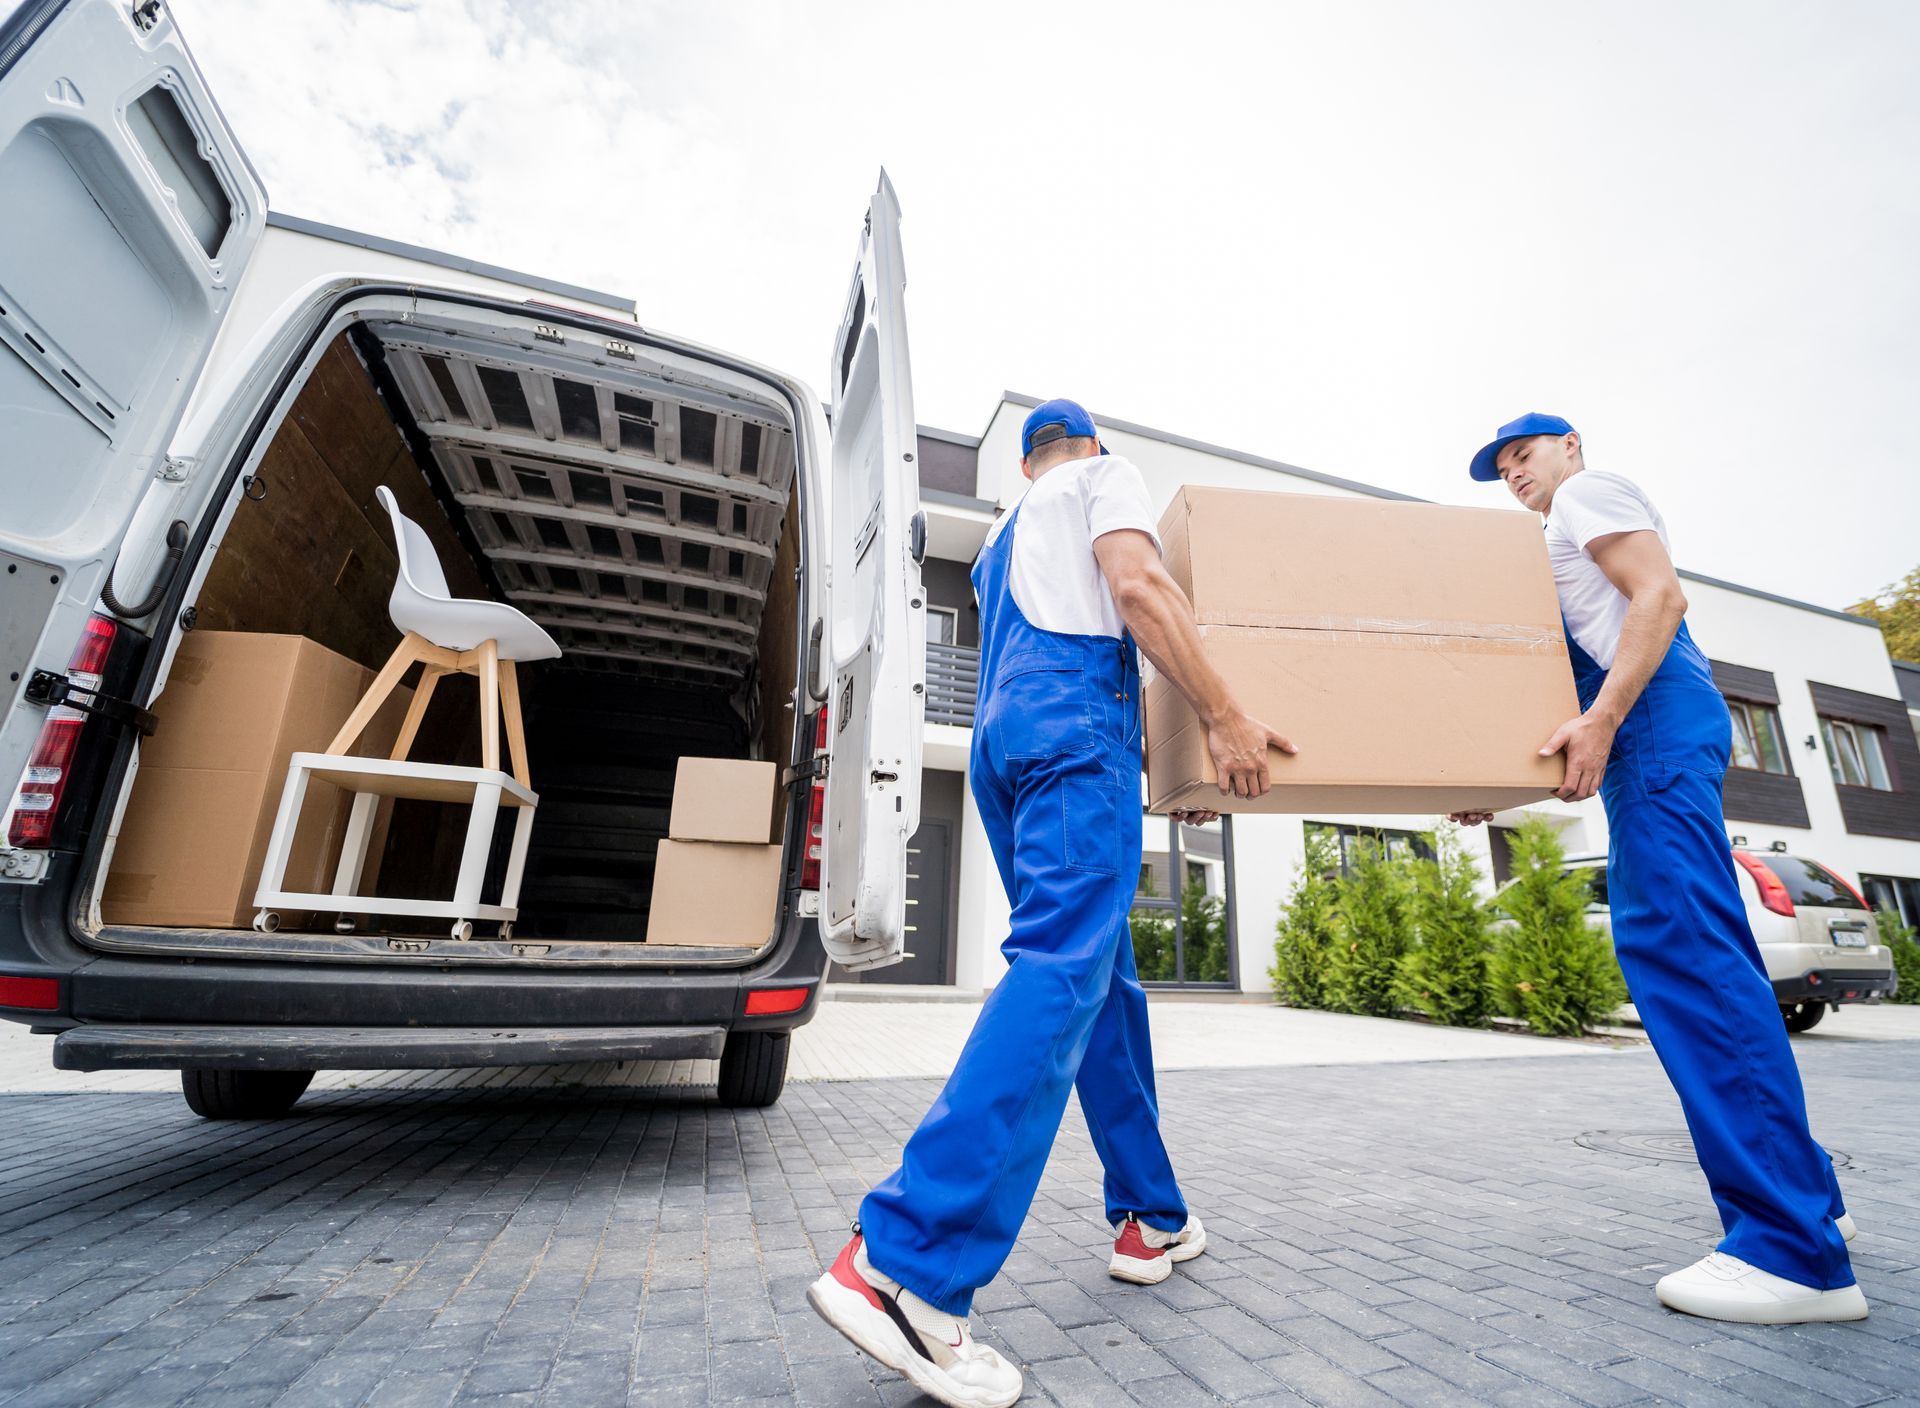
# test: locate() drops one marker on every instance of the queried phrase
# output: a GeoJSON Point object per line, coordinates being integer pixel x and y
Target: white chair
{"type": "Point", "coordinates": [445, 635]}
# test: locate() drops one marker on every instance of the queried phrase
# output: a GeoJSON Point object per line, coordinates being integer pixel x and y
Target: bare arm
{"type": "Point", "coordinates": [1637, 564]}
{"type": "Point", "coordinates": [1160, 617]}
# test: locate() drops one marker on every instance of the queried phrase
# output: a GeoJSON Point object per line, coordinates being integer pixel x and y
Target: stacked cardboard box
{"type": "Point", "coordinates": [1413, 652]}
{"type": "Point", "coordinates": [716, 879]}
{"type": "Point", "coordinates": [236, 707]}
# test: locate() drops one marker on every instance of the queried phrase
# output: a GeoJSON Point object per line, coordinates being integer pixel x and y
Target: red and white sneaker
{"type": "Point", "coordinates": [1145, 1255]}
{"type": "Point", "coordinates": [934, 1350]}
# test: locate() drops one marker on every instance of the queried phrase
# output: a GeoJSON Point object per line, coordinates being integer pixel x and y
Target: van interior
{"type": "Point", "coordinates": [649, 523]}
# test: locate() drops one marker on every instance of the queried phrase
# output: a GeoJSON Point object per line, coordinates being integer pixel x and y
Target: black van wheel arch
{"type": "Point", "coordinates": [1803, 1016]}
{"type": "Point", "coordinates": [242, 1095]}
{"type": "Point", "coordinates": [753, 1068]}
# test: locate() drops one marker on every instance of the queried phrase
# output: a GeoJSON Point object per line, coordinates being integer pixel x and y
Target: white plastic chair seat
{"type": "Point", "coordinates": [422, 604]}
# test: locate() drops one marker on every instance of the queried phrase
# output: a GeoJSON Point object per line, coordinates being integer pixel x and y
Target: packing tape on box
{"type": "Point", "coordinates": [1322, 623]}
{"type": "Point", "coordinates": [1516, 642]}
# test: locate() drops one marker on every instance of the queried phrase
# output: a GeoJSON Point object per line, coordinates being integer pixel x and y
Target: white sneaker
{"type": "Point", "coordinates": [1847, 1230]}
{"type": "Point", "coordinates": [936, 1351]}
{"type": "Point", "coordinates": [1722, 1287]}
{"type": "Point", "coordinates": [1145, 1255]}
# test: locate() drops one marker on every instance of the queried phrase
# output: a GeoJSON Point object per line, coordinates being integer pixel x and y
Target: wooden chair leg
{"type": "Point", "coordinates": [416, 711]}
{"type": "Point", "coordinates": [404, 654]}
{"type": "Point", "coordinates": [489, 671]}
{"type": "Point", "coordinates": [516, 733]}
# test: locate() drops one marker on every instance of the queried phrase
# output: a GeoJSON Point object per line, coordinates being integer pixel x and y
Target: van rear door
{"type": "Point", "coordinates": [877, 626]}
{"type": "Point", "coordinates": [130, 214]}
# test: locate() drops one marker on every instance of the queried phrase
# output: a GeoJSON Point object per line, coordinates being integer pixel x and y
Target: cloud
{"type": "Point", "coordinates": [1353, 237]}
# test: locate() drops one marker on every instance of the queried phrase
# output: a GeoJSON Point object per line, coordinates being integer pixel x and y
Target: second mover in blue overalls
{"type": "Point", "coordinates": [1654, 739]}
{"type": "Point", "coordinates": [1066, 584]}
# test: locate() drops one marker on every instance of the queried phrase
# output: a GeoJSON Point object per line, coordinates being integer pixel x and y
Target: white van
{"type": "Point", "coordinates": [726, 574]}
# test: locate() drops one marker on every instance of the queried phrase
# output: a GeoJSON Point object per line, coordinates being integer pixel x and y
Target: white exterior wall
{"type": "Point", "coordinates": [1797, 645]}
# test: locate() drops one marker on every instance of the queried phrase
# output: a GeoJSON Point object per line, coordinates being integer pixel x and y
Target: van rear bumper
{"type": "Point", "coordinates": [136, 1048]}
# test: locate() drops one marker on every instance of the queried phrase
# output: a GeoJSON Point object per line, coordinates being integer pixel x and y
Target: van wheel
{"type": "Point", "coordinates": [242, 1095]}
{"type": "Point", "coordinates": [1803, 1016]}
{"type": "Point", "coordinates": [753, 1069]}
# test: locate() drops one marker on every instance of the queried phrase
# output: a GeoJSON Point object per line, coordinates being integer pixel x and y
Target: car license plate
{"type": "Point", "coordinates": [1849, 938]}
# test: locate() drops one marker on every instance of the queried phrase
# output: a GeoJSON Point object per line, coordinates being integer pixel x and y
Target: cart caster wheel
{"type": "Point", "coordinates": [266, 921]}
{"type": "Point", "coordinates": [463, 930]}
{"type": "Point", "coordinates": [344, 924]}
{"type": "Point", "coordinates": [506, 931]}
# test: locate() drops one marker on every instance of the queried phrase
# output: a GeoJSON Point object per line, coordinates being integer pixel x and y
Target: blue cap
{"type": "Point", "coordinates": [1059, 419]}
{"type": "Point", "coordinates": [1532, 423]}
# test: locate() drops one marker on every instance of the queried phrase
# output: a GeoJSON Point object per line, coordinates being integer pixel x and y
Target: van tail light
{"type": "Point", "coordinates": [1773, 894]}
{"type": "Point", "coordinates": [816, 814]}
{"type": "Point", "coordinates": [37, 802]}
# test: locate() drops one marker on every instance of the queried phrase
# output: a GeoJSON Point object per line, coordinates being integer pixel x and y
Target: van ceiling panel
{"type": "Point", "coordinates": [636, 522]}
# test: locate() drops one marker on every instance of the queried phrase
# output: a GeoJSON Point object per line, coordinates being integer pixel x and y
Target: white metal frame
{"type": "Point", "coordinates": [483, 790]}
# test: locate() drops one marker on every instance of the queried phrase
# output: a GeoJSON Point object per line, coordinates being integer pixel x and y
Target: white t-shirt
{"type": "Point", "coordinates": [1057, 582]}
{"type": "Point", "coordinates": [1590, 505]}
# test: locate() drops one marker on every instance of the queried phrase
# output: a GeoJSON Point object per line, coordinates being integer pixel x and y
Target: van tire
{"type": "Point", "coordinates": [1803, 1016]}
{"type": "Point", "coordinates": [753, 1069]}
{"type": "Point", "coordinates": [242, 1095]}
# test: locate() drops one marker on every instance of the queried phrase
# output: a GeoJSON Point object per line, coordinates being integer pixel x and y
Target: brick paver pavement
{"type": "Point", "coordinates": [1416, 1234]}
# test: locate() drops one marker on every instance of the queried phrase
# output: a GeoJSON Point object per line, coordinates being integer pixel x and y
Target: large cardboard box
{"type": "Point", "coordinates": [1414, 652]}
{"type": "Point", "coordinates": [714, 893]}
{"type": "Point", "coordinates": [195, 834]}
{"type": "Point", "coordinates": [722, 799]}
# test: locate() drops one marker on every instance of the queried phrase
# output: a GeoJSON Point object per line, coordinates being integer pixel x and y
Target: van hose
{"type": "Point", "coordinates": [176, 549]}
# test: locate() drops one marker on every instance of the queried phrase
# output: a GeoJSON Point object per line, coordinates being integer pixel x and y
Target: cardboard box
{"type": "Point", "coordinates": [714, 893]}
{"type": "Point", "coordinates": [722, 799]}
{"type": "Point", "coordinates": [235, 708]}
{"type": "Point", "coordinates": [1414, 652]}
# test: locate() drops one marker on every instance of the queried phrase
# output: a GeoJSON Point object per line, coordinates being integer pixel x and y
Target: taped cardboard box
{"type": "Point", "coordinates": [1414, 652]}
{"type": "Point", "coordinates": [236, 707]}
{"type": "Point", "coordinates": [714, 893]}
{"type": "Point", "coordinates": [722, 799]}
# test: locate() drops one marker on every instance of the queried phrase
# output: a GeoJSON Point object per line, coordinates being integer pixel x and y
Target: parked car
{"type": "Point", "coordinates": [668, 512]}
{"type": "Point", "coordinates": [1819, 940]}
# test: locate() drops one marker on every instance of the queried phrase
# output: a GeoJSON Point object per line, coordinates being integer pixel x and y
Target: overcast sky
{"type": "Point", "coordinates": [1352, 236]}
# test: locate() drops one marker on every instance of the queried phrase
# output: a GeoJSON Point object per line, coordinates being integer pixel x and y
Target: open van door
{"type": "Point", "coordinates": [877, 706]}
{"type": "Point", "coordinates": [130, 212]}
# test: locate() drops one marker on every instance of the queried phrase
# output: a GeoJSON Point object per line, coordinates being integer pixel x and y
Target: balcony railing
{"type": "Point", "coordinates": [953, 680]}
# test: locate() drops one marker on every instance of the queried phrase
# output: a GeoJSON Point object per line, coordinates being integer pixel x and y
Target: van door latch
{"type": "Point", "coordinates": [53, 690]}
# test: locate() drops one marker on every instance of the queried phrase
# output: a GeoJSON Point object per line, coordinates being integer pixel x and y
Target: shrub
{"type": "Point", "coordinates": [1304, 935]}
{"type": "Point", "coordinates": [1445, 973]}
{"type": "Point", "coordinates": [1370, 908]}
{"type": "Point", "coordinates": [1551, 967]}
{"type": "Point", "coordinates": [1203, 928]}
{"type": "Point", "coordinates": [1152, 939]}
{"type": "Point", "coordinates": [1900, 937]}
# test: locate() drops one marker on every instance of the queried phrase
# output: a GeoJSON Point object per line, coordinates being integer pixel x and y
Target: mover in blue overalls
{"type": "Point", "coordinates": [1654, 739]}
{"type": "Point", "coordinates": [1067, 584]}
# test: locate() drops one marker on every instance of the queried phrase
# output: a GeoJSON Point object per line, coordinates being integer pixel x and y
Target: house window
{"type": "Point", "coordinates": [1758, 742]}
{"type": "Point", "coordinates": [1396, 845]}
{"type": "Point", "coordinates": [943, 625]}
{"type": "Point", "coordinates": [1899, 895]}
{"type": "Point", "coordinates": [1854, 753]}
{"type": "Point", "coordinates": [1183, 929]}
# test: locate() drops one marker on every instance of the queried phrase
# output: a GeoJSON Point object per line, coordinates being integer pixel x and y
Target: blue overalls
{"type": "Point", "coordinates": [1696, 977]}
{"type": "Point", "coordinates": [1055, 771]}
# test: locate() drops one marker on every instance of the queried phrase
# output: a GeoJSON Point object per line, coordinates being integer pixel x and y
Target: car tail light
{"type": "Point", "coordinates": [38, 801]}
{"type": "Point", "coordinates": [816, 814]}
{"type": "Point", "coordinates": [1773, 894]}
{"type": "Point", "coordinates": [769, 1001]}
{"type": "Point", "coordinates": [35, 994]}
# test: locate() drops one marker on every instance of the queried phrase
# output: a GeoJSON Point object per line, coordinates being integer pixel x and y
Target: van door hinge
{"type": "Point", "coordinates": [175, 468]}
{"type": "Point", "coordinates": [54, 690]}
{"type": "Point", "coordinates": [146, 15]}
{"type": "Point", "coordinates": [816, 766]}
{"type": "Point", "coordinates": [23, 867]}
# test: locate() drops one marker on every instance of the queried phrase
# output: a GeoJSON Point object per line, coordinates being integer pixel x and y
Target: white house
{"type": "Point", "coordinates": [1827, 764]}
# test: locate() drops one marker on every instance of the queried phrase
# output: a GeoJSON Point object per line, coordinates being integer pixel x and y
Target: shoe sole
{"type": "Point", "coordinates": [1136, 1272]}
{"type": "Point", "coordinates": [1830, 1307]}
{"type": "Point", "coordinates": [877, 1337]}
